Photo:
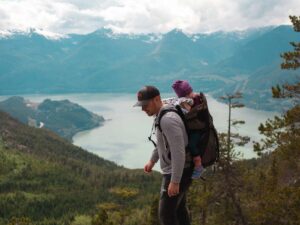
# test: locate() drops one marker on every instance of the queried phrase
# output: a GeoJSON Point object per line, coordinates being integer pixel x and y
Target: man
{"type": "Point", "coordinates": [175, 162]}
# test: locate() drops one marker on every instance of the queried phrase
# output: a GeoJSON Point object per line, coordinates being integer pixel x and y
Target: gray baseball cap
{"type": "Point", "coordinates": [145, 95]}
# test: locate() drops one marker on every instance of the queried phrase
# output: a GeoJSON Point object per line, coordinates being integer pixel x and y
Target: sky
{"type": "Point", "coordinates": [144, 16]}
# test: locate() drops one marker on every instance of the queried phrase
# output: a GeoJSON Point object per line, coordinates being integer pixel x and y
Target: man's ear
{"type": "Point", "coordinates": [157, 99]}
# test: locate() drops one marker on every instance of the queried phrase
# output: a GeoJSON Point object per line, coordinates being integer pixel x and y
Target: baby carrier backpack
{"type": "Point", "coordinates": [198, 119]}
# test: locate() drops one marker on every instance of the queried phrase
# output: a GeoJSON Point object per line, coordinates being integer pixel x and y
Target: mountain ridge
{"type": "Point", "coordinates": [98, 62]}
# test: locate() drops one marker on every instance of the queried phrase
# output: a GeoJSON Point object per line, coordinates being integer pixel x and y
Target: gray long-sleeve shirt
{"type": "Point", "coordinates": [171, 144]}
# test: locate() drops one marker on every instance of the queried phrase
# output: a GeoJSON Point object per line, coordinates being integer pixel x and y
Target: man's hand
{"type": "Point", "coordinates": [173, 189]}
{"type": "Point", "coordinates": [148, 167]}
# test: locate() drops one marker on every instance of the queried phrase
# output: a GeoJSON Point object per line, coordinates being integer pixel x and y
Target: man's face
{"type": "Point", "coordinates": [150, 108]}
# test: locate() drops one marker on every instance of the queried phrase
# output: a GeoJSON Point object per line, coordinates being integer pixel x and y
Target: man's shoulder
{"type": "Point", "coordinates": [168, 111]}
{"type": "Point", "coordinates": [170, 117]}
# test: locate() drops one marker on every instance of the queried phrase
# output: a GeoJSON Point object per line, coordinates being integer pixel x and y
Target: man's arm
{"type": "Point", "coordinates": [174, 131]}
{"type": "Point", "coordinates": [154, 158]}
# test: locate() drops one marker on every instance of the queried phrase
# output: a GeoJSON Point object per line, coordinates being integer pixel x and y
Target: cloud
{"type": "Point", "coordinates": [144, 16]}
{"type": "Point", "coordinates": [56, 16]}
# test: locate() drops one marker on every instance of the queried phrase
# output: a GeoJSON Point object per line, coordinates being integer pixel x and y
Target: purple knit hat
{"type": "Point", "coordinates": [182, 88]}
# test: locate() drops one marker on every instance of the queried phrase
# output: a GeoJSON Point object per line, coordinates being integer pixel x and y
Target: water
{"type": "Point", "coordinates": [123, 137]}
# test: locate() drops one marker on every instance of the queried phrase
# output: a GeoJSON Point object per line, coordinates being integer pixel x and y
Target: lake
{"type": "Point", "coordinates": [123, 136]}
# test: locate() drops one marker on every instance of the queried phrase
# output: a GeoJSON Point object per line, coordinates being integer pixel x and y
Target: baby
{"type": "Point", "coordinates": [187, 99]}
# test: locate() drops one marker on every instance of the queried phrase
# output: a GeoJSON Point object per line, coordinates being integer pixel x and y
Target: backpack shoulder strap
{"type": "Point", "coordinates": [177, 110]}
{"type": "Point", "coordinates": [162, 113]}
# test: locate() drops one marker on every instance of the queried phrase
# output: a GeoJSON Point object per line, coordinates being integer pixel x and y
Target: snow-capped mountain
{"type": "Point", "coordinates": [38, 61]}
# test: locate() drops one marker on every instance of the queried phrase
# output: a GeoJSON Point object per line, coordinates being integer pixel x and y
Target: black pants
{"type": "Point", "coordinates": [173, 210]}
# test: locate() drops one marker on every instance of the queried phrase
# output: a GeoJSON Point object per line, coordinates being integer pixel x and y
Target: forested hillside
{"type": "Point", "coordinates": [48, 180]}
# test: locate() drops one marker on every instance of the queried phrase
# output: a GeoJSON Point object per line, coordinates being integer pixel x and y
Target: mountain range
{"type": "Point", "coordinates": [102, 61]}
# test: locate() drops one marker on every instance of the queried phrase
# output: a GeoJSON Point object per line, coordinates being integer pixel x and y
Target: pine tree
{"type": "Point", "coordinates": [280, 130]}
{"type": "Point", "coordinates": [291, 60]}
{"type": "Point", "coordinates": [230, 172]}
{"type": "Point", "coordinates": [279, 203]}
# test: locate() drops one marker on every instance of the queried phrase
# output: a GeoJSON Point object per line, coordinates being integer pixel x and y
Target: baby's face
{"type": "Point", "coordinates": [190, 95]}
{"type": "Point", "coordinates": [186, 106]}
